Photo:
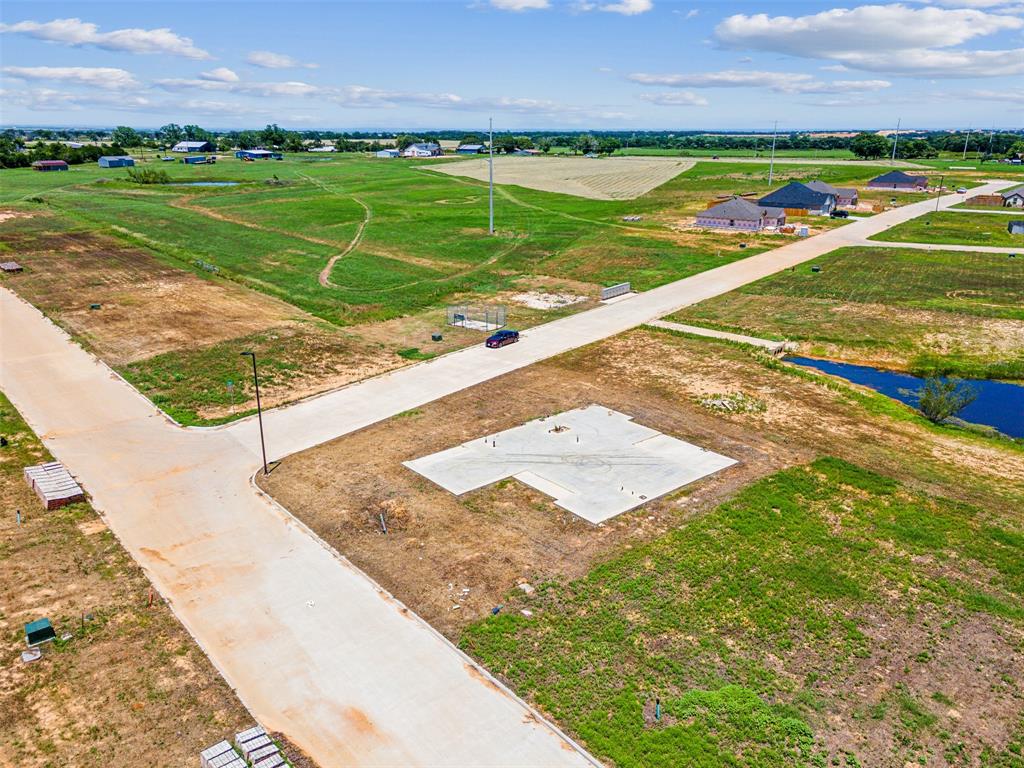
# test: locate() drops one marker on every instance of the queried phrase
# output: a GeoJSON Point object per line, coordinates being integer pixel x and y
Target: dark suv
{"type": "Point", "coordinates": [839, 214]}
{"type": "Point", "coordinates": [501, 338]}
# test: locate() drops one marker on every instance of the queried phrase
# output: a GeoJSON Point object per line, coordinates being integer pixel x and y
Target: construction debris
{"type": "Point", "coordinates": [54, 485]}
{"type": "Point", "coordinates": [11, 267]}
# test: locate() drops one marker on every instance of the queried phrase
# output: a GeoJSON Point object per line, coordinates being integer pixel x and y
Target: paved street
{"type": "Point", "coordinates": [313, 647]}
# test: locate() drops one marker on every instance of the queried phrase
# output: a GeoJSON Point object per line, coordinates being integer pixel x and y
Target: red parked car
{"type": "Point", "coordinates": [501, 338]}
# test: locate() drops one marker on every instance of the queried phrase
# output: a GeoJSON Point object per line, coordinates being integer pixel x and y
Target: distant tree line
{"type": "Point", "coordinates": [868, 145]}
{"type": "Point", "coordinates": [15, 154]}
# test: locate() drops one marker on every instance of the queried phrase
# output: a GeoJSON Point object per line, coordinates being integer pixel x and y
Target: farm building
{"type": "Point", "coordinates": [741, 214]}
{"type": "Point", "coordinates": [898, 180]}
{"type": "Point", "coordinates": [425, 149]}
{"type": "Point", "coordinates": [322, 149]}
{"type": "Point", "coordinates": [470, 149]}
{"type": "Point", "coordinates": [389, 153]}
{"type": "Point", "coordinates": [116, 161]}
{"type": "Point", "coordinates": [799, 199]}
{"type": "Point", "coordinates": [258, 154]}
{"type": "Point", "coordinates": [844, 195]}
{"type": "Point", "coordinates": [1013, 198]}
{"type": "Point", "coordinates": [193, 146]}
{"type": "Point", "coordinates": [1015, 227]}
{"type": "Point", "coordinates": [49, 165]}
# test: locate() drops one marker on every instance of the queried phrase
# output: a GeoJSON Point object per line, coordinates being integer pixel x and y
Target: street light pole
{"type": "Point", "coordinates": [939, 193]}
{"type": "Point", "coordinates": [490, 174]}
{"type": "Point", "coordinates": [896, 140]}
{"type": "Point", "coordinates": [259, 408]}
{"type": "Point", "coordinates": [771, 163]}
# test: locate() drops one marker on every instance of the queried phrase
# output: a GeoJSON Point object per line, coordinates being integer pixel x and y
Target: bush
{"type": "Point", "coordinates": [148, 176]}
{"type": "Point", "coordinates": [941, 399]}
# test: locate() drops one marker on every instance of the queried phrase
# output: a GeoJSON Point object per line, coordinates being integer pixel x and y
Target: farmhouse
{"type": "Point", "coordinates": [899, 180]}
{"type": "Point", "coordinates": [740, 214]}
{"type": "Point", "coordinates": [470, 149]}
{"type": "Point", "coordinates": [116, 161]}
{"type": "Point", "coordinates": [389, 153]}
{"type": "Point", "coordinates": [1015, 227]}
{"type": "Point", "coordinates": [424, 149]}
{"type": "Point", "coordinates": [845, 196]}
{"type": "Point", "coordinates": [799, 199]}
{"type": "Point", "coordinates": [193, 146]}
{"type": "Point", "coordinates": [1013, 198]}
{"type": "Point", "coordinates": [49, 165]}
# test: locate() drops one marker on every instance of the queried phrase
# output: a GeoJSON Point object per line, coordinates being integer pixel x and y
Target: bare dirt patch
{"type": "Point", "coordinates": [146, 307]}
{"type": "Point", "coordinates": [609, 178]}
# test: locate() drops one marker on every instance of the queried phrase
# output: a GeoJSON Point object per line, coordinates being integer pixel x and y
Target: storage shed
{"type": "Point", "coordinates": [116, 161]}
{"type": "Point", "coordinates": [389, 153]}
{"type": "Point", "coordinates": [49, 165]}
{"type": "Point", "coordinates": [193, 146]}
{"type": "Point", "coordinates": [54, 485]}
{"type": "Point", "coordinates": [470, 149]}
{"type": "Point", "coordinates": [253, 154]}
{"type": "Point", "coordinates": [199, 160]}
{"type": "Point", "coordinates": [38, 632]}
{"type": "Point", "coordinates": [1015, 227]}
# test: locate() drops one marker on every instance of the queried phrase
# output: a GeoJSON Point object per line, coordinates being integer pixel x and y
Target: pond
{"type": "Point", "coordinates": [999, 404]}
{"type": "Point", "coordinates": [203, 183]}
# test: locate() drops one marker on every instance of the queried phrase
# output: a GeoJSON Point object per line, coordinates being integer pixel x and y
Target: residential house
{"type": "Point", "coordinates": [742, 215]}
{"type": "Point", "coordinates": [899, 181]}
{"type": "Point", "coordinates": [845, 196]}
{"type": "Point", "coordinates": [424, 149]}
{"type": "Point", "coordinates": [1013, 198]}
{"type": "Point", "coordinates": [799, 199]}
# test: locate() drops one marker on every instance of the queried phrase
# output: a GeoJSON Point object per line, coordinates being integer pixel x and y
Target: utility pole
{"type": "Point", "coordinates": [896, 140]}
{"type": "Point", "coordinates": [991, 135]}
{"type": "Point", "coordinates": [965, 143]}
{"type": "Point", "coordinates": [259, 408]}
{"type": "Point", "coordinates": [771, 163]}
{"type": "Point", "coordinates": [938, 192]}
{"type": "Point", "coordinates": [490, 173]}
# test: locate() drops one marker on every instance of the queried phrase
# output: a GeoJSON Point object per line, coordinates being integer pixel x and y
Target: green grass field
{"type": "Point", "coordinates": [955, 228]}
{"type": "Point", "coordinates": [809, 563]}
{"type": "Point", "coordinates": [886, 303]}
{"type": "Point", "coordinates": [425, 240]}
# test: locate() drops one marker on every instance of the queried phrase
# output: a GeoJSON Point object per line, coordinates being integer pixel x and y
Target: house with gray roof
{"type": "Point", "coordinates": [796, 198]}
{"type": "Point", "coordinates": [900, 181]}
{"type": "Point", "coordinates": [742, 215]}
{"type": "Point", "coordinates": [1013, 198]}
{"type": "Point", "coordinates": [844, 195]}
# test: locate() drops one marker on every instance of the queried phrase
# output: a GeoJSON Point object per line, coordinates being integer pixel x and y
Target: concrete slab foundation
{"type": "Point", "coordinates": [594, 462]}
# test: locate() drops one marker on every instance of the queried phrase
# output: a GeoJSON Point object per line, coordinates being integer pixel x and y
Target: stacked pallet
{"type": "Point", "coordinates": [259, 749]}
{"type": "Point", "coordinates": [54, 485]}
{"type": "Point", "coordinates": [221, 755]}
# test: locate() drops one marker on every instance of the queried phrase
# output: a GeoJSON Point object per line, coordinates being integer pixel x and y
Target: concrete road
{"type": "Point", "coordinates": [313, 647]}
{"type": "Point", "coordinates": [1004, 249]}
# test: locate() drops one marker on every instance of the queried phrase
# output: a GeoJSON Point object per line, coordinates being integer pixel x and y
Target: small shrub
{"type": "Point", "coordinates": [148, 176]}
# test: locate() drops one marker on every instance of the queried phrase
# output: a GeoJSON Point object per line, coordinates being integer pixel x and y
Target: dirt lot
{"type": "Point", "coordinates": [147, 308]}
{"type": "Point", "coordinates": [439, 544]}
{"type": "Point", "coordinates": [606, 178]}
{"type": "Point", "coordinates": [454, 559]}
{"type": "Point", "coordinates": [129, 686]}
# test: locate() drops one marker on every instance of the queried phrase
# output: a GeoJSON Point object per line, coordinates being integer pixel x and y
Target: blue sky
{"type": "Point", "coordinates": [593, 64]}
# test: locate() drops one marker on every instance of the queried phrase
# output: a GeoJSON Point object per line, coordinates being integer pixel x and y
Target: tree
{"type": "Point", "coordinates": [404, 140]}
{"type": "Point", "coordinates": [504, 142]}
{"type": "Point", "coordinates": [272, 136]}
{"type": "Point", "coordinates": [195, 133]}
{"type": "Point", "coordinates": [544, 145]}
{"type": "Point", "coordinates": [941, 399]}
{"type": "Point", "coordinates": [471, 138]}
{"type": "Point", "coordinates": [125, 136]}
{"type": "Point", "coordinates": [868, 146]}
{"type": "Point", "coordinates": [584, 143]}
{"type": "Point", "coordinates": [607, 145]}
{"type": "Point", "coordinates": [1016, 150]}
{"type": "Point", "coordinates": [170, 134]}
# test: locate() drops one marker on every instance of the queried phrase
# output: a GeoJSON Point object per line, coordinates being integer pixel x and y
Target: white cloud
{"type": "Point", "coordinates": [520, 5]}
{"type": "Point", "coordinates": [692, 13]}
{"type": "Point", "coordinates": [882, 38]}
{"type": "Point", "coordinates": [76, 32]}
{"type": "Point", "coordinates": [51, 100]}
{"type": "Point", "coordinates": [95, 77]}
{"type": "Point", "coordinates": [220, 74]}
{"type": "Point", "coordinates": [675, 99]}
{"type": "Point", "coordinates": [780, 82]}
{"type": "Point", "coordinates": [1011, 96]}
{"type": "Point", "coordinates": [627, 7]}
{"type": "Point", "coordinates": [270, 60]}
{"type": "Point", "coordinates": [289, 88]}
